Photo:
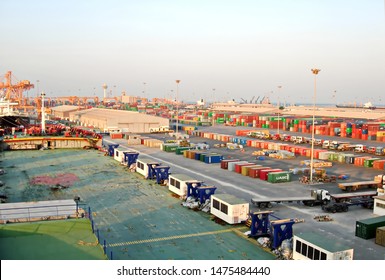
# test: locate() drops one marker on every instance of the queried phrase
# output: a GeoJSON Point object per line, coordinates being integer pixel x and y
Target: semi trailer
{"type": "Point", "coordinates": [317, 197]}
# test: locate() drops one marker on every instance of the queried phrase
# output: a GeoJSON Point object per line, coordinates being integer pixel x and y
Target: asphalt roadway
{"type": "Point", "coordinates": [341, 230]}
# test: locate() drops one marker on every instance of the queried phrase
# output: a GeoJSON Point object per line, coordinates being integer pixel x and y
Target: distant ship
{"type": "Point", "coordinates": [9, 117]}
{"type": "Point", "coordinates": [367, 105]}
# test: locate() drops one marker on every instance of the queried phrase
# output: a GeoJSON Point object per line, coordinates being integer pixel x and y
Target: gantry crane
{"type": "Point", "coordinates": [14, 92]}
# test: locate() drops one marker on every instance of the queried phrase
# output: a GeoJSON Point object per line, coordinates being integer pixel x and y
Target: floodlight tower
{"type": "Point", "coordinates": [315, 71]}
{"type": "Point", "coordinates": [42, 113]}
{"type": "Point", "coordinates": [105, 90]}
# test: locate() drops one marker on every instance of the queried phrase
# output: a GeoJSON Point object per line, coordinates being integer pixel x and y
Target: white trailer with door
{"type": "Point", "coordinates": [312, 246]}
{"type": "Point", "coordinates": [177, 183]}
{"type": "Point", "coordinates": [119, 154]}
{"type": "Point", "coordinates": [143, 168]}
{"type": "Point", "coordinates": [229, 208]}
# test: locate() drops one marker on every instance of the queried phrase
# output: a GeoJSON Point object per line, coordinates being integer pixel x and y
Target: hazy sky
{"type": "Point", "coordinates": [240, 48]}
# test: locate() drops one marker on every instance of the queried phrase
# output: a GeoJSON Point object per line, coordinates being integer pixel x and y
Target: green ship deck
{"type": "Point", "coordinates": [139, 219]}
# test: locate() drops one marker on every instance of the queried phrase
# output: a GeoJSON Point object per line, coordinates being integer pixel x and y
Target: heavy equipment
{"type": "Point", "coordinates": [198, 195]}
{"type": "Point", "coordinates": [277, 230]}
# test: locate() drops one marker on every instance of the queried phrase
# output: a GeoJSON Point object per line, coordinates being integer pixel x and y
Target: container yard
{"type": "Point", "coordinates": [238, 173]}
{"type": "Point", "coordinates": [203, 177]}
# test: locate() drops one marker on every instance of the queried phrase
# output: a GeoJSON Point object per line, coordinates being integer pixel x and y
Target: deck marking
{"type": "Point", "coordinates": [168, 238]}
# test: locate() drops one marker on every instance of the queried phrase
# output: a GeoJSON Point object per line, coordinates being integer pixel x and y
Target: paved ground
{"type": "Point", "coordinates": [133, 213]}
{"type": "Point", "coordinates": [341, 230]}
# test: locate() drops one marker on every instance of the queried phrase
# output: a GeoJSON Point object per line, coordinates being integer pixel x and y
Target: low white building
{"type": "Point", "coordinates": [229, 208]}
{"type": "Point", "coordinates": [124, 121]}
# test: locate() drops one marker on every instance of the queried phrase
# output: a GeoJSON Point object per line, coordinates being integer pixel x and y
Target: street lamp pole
{"type": "Point", "coordinates": [42, 113]}
{"type": "Point", "coordinates": [279, 92]}
{"type": "Point", "coordinates": [176, 98]}
{"type": "Point", "coordinates": [37, 88]}
{"type": "Point", "coordinates": [213, 114]}
{"type": "Point", "coordinates": [144, 91]}
{"type": "Point", "coordinates": [315, 71]}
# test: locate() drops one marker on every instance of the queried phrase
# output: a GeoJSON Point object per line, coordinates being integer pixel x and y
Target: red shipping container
{"type": "Point", "coordinates": [263, 175]}
{"type": "Point", "coordinates": [255, 171]}
{"type": "Point", "coordinates": [225, 163]}
{"type": "Point", "coordinates": [238, 167]}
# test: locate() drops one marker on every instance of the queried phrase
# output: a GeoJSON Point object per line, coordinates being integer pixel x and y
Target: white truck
{"type": "Point", "coordinates": [160, 129]}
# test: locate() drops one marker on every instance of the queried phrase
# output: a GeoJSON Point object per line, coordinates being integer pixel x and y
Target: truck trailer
{"type": "Point", "coordinates": [377, 182]}
{"type": "Point", "coordinates": [318, 197]}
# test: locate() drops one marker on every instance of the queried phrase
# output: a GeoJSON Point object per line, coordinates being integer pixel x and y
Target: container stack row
{"type": "Point", "coordinates": [255, 170]}
{"type": "Point", "coordinates": [322, 154]}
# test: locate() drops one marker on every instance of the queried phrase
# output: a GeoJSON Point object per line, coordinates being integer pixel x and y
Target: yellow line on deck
{"type": "Point", "coordinates": [167, 238]}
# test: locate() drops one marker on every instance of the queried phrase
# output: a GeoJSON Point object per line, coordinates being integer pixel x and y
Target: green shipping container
{"type": "Point", "coordinates": [202, 156]}
{"type": "Point", "coordinates": [366, 229]}
{"type": "Point", "coordinates": [369, 162]}
{"type": "Point", "coordinates": [179, 150]}
{"type": "Point", "coordinates": [279, 177]}
{"type": "Point", "coordinates": [170, 148]}
{"type": "Point", "coordinates": [341, 158]}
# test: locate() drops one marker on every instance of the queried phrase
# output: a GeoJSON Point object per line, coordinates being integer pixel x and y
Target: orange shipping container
{"type": "Point", "coordinates": [116, 135]}
{"type": "Point", "coordinates": [379, 164]}
{"type": "Point", "coordinates": [359, 161]}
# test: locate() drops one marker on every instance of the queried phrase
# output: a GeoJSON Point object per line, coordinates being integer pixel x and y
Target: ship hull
{"type": "Point", "coordinates": [356, 107]}
{"type": "Point", "coordinates": [13, 121]}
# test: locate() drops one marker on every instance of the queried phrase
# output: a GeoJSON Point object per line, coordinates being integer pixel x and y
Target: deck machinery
{"type": "Point", "coordinates": [130, 158]}
{"type": "Point", "coordinates": [199, 191]}
{"type": "Point", "coordinates": [111, 148]}
{"type": "Point", "coordinates": [198, 195]}
{"type": "Point", "coordinates": [160, 173]}
{"type": "Point", "coordinates": [278, 230]}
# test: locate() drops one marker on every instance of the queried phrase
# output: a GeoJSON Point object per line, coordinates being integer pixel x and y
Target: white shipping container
{"type": "Point", "coordinates": [229, 208]}
{"type": "Point", "coordinates": [231, 165]}
{"type": "Point", "coordinates": [324, 155]}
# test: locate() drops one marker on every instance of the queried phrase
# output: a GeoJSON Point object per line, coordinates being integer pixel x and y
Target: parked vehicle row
{"type": "Point", "coordinates": [325, 144]}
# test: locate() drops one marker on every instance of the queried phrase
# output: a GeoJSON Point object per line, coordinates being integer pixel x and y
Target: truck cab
{"type": "Point", "coordinates": [320, 196]}
{"type": "Point", "coordinates": [326, 144]}
{"type": "Point", "coordinates": [380, 151]}
{"type": "Point", "coordinates": [371, 150]}
{"type": "Point", "coordinates": [163, 128]}
{"type": "Point", "coordinates": [360, 148]}
{"type": "Point", "coordinates": [299, 140]}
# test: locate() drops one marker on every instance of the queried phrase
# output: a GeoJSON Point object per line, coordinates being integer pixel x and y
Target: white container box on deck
{"type": "Point", "coordinates": [312, 246]}
{"type": "Point", "coordinates": [119, 154]}
{"type": "Point", "coordinates": [142, 166]}
{"type": "Point", "coordinates": [177, 184]}
{"type": "Point", "coordinates": [229, 208]}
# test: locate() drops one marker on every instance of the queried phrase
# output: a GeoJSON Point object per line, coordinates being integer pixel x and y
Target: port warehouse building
{"type": "Point", "coordinates": [105, 119]}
